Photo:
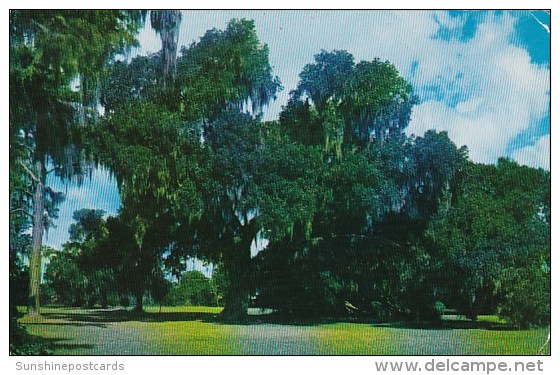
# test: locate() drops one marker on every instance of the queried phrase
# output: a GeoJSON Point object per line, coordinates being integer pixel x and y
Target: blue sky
{"type": "Point", "coordinates": [482, 76]}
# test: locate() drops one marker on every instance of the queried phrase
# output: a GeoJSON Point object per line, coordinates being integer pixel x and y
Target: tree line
{"type": "Point", "coordinates": [354, 211]}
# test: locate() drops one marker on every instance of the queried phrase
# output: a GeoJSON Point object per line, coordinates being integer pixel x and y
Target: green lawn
{"type": "Point", "coordinates": [196, 331]}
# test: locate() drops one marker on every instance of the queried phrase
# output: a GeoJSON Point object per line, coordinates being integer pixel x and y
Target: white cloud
{"type": "Point", "coordinates": [500, 93]}
{"type": "Point", "coordinates": [536, 155]}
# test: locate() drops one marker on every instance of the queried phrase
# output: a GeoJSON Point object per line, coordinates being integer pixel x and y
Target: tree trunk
{"type": "Point", "coordinates": [236, 303]}
{"type": "Point", "coordinates": [104, 299]}
{"type": "Point", "coordinates": [237, 262]}
{"type": "Point", "coordinates": [139, 294]}
{"type": "Point", "coordinates": [35, 260]}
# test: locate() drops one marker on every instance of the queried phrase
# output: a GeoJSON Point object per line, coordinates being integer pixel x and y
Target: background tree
{"type": "Point", "coordinates": [193, 289]}
{"type": "Point", "coordinates": [156, 158]}
{"type": "Point", "coordinates": [86, 234]}
{"type": "Point", "coordinates": [357, 102]}
{"type": "Point", "coordinates": [159, 287]}
{"type": "Point", "coordinates": [497, 231]}
{"type": "Point", "coordinates": [77, 274]}
{"type": "Point", "coordinates": [66, 279]}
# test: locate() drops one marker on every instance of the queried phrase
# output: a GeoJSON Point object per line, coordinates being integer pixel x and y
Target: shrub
{"type": "Point", "coordinates": [525, 296]}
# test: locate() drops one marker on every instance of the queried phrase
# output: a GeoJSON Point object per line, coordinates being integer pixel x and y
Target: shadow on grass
{"type": "Point", "coordinates": [55, 344]}
{"type": "Point", "coordinates": [69, 323]}
{"type": "Point", "coordinates": [449, 325]}
{"type": "Point", "coordinates": [100, 318]}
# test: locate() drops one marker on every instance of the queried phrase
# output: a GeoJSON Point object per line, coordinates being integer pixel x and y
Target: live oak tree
{"type": "Point", "coordinates": [340, 108]}
{"type": "Point", "coordinates": [225, 71]}
{"type": "Point", "coordinates": [264, 187]}
{"type": "Point", "coordinates": [157, 159]}
{"type": "Point", "coordinates": [497, 238]}
{"type": "Point", "coordinates": [383, 188]}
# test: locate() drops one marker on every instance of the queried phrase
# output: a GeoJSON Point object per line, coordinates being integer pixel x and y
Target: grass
{"type": "Point", "coordinates": [197, 331]}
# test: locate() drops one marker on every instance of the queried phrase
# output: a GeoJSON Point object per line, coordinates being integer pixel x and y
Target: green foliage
{"type": "Point", "coordinates": [193, 289]}
{"type": "Point", "coordinates": [498, 223]}
{"type": "Point", "coordinates": [21, 343]}
{"type": "Point", "coordinates": [355, 102]}
{"type": "Point", "coordinates": [48, 50]}
{"type": "Point", "coordinates": [526, 297]}
{"type": "Point", "coordinates": [126, 83]}
{"type": "Point", "coordinates": [354, 212]}
{"type": "Point", "coordinates": [88, 226]}
{"type": "Point", "coordinates": [66, 279]}
{"type": "Point", "coordinates": [154, 155]}
{"type": "Point", "coordinates": [226, 69]}
{"type": "Point", "coordinates": [439, 168]}
{"type": "Point", "coordinates": [326, 78]}
{"type": "Point", "coordinates": [73, 41]}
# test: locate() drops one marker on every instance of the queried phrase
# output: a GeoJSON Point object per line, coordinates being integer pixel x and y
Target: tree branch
{"type": "Point", "coordinates": [52, 170]}
{"type": "Point", "coordinates": [25, 191]}
{"type": "Point", "coordinates": [22, 210]}
{"type": "Point", "coordinates": [31, 174]}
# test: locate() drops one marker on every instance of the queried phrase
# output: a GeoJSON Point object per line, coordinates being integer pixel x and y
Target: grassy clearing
{"type": "Point", "coordinates": [196, 331]}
